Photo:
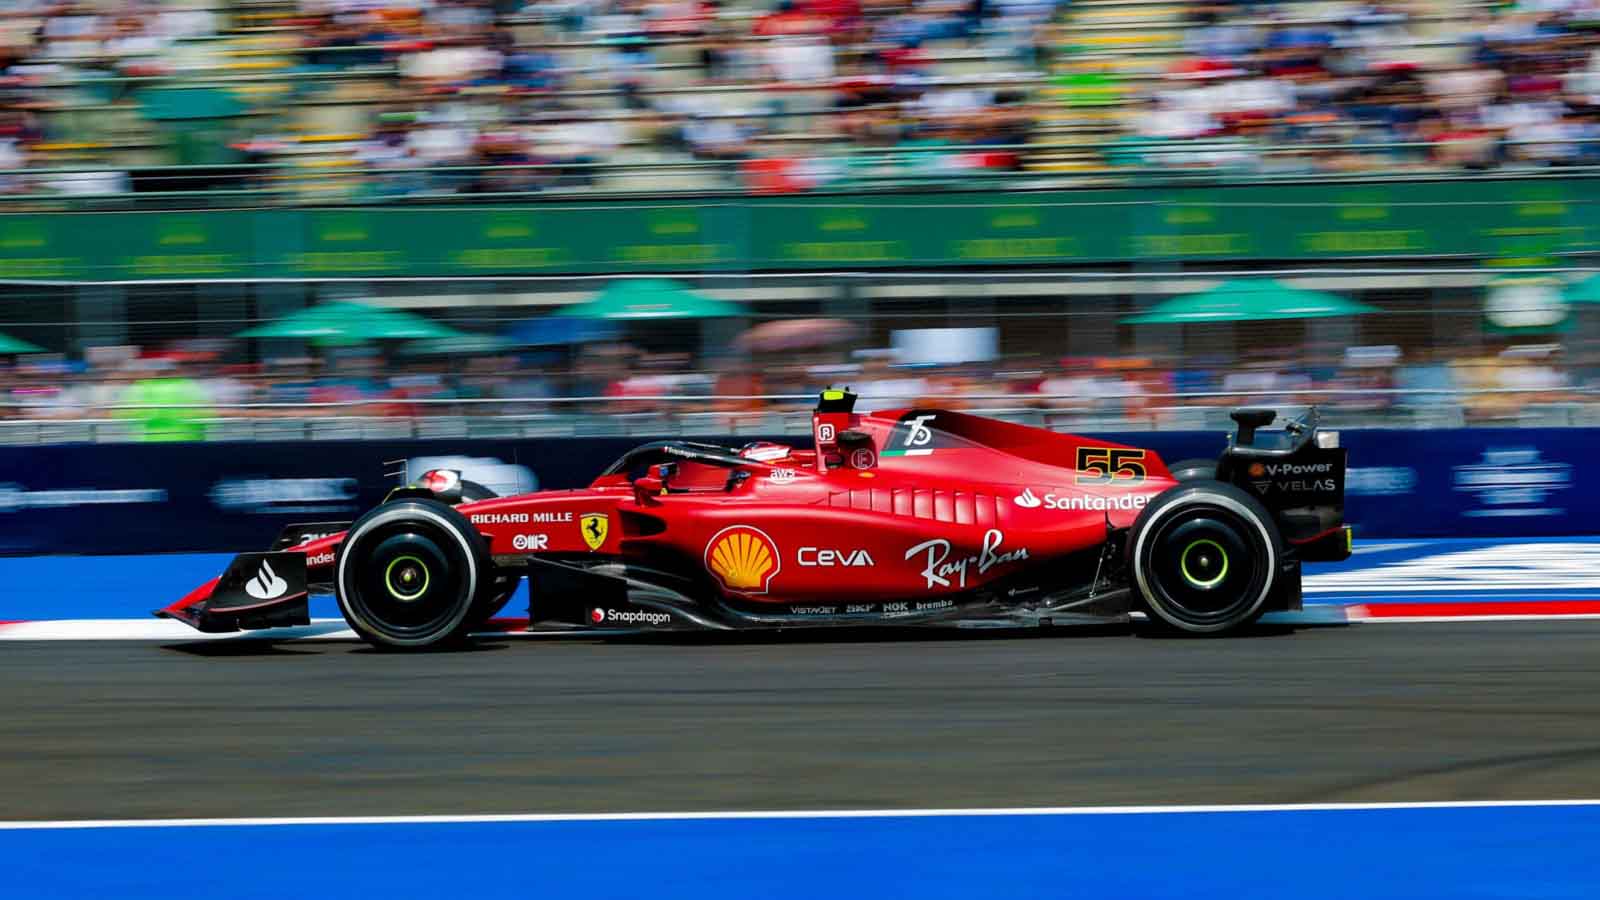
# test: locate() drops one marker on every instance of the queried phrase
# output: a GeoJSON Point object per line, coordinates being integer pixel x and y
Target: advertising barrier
{"type": "Point", "coordinates": [1474, 217]}
{"type": "Point", "coordinates": [83, 498]}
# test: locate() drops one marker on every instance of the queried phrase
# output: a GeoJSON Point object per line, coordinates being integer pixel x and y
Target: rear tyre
{"type": "Point", "coordinates": [1205, 558]}
{"type": "Point", "coordinates": [410, 575]}
{"type": "Point", "coordinates": [1187, 470]}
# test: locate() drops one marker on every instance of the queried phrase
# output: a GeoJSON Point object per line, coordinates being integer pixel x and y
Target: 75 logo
{"type": "Point", "coordinates": [1104, 465]}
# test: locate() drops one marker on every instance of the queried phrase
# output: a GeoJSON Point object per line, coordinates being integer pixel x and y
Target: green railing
{"type": "Point", "coordinates": [263, 227]}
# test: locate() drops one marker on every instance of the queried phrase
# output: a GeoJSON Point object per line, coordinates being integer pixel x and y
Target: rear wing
{"type": "Point", "coordinates": [1298, 473]}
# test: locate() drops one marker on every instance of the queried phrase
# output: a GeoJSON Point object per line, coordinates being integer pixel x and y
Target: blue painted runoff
{"type": "Point", "coordinates": [1518, 853]}
{"type": "Point", "coordinates": [123, 587]}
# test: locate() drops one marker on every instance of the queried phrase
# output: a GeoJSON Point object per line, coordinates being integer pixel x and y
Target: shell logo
{"type": "Point", "coordinates": [743, 558]}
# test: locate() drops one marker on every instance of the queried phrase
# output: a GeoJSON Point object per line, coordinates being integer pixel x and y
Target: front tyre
{"type": "Point", "coordinates": [410, 574]}
{"type": "Point", "coordinates": [1205, 558]}
{"type": "Point", "coordinates": [504, 585]}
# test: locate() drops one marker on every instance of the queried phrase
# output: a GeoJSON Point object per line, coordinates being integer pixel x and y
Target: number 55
{"type": "Point", "coordinates": [1110, 464]}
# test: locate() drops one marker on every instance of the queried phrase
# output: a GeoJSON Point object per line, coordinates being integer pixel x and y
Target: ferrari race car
{"type": "Point", "coordinates": [911, 516]}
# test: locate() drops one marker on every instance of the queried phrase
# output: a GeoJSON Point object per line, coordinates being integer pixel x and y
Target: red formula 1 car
{"type": "Point", "coordinates": [899, 517]}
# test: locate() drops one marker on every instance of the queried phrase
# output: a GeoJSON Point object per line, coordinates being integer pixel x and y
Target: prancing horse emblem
{"type": "Point", "coordinates": [595, 527]}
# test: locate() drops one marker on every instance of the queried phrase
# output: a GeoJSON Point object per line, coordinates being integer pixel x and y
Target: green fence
{"type": "Point", "coordinates": [1504, 219]}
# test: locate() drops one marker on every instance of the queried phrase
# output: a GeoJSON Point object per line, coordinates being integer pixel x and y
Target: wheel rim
{"type": "Point", "coordinates": [408, 580]}
{"type": "Point", "coordinates": [1207, 566]}
{"type": "Point", "coordinates": [1204, 563]}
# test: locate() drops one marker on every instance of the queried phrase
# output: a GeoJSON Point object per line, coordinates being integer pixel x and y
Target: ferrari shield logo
{"type": "Point", "coordinates": [595, 527]}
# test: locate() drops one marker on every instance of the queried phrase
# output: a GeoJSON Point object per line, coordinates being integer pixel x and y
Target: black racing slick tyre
{"type": "Point", "coordinates": [503, 585]}
{"type": "Point", "coordinates": [1187, 470]}
{"type": "Point", "coordinates": [1205, 557]}
{"type": "Point", "coordinates": [411, 575]}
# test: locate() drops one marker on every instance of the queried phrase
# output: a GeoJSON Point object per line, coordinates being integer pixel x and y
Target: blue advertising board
{"type": "Point", "coordinates": [147, 498]}
{"type": "Point", "coordinates": [1467, 482]}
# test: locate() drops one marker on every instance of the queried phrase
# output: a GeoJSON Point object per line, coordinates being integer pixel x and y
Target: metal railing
{"type": "Point", "coordinates": [912, 168]}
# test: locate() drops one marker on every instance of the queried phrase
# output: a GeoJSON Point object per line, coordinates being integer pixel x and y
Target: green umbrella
{"type": "Point", "coordinates": [1246, 300]}
{"type": "Point", "coordinates": [9, 344]}
{"type": "Point", "coordinates": [352, 323]}
{"type": "Point", "coordinates": [1585, 291]}
{"type": "Point", "coordinates": [649, 298]}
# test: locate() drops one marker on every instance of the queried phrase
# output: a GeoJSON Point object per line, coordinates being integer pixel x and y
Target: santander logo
{"type": "Point", "coordinates": [1026, 499]}
{"type": "Point", "coordinates": [266, 585]}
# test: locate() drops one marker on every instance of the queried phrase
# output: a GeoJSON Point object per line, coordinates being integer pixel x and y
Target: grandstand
{"type": "Point", "coordinates": [345, 100]}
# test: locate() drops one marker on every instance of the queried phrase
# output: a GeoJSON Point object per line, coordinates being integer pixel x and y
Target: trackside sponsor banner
{"type": "Point", "coordinates": [237, 496]}
{"type": "Point", "coordinates": [14, 497]}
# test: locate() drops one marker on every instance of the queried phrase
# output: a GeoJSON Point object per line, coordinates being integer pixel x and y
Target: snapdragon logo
{"type": "Point", "coordinates": [1082, 502]}
{"type": "Point", "coordinates": [601, 616]}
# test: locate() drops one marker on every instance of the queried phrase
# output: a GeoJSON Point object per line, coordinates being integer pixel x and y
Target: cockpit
{"type": "Point", "coordinates": [684, 466]}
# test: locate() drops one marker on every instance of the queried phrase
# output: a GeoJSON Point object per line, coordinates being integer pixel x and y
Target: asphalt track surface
{"type": "Point", "coordinates": [1471, 711]}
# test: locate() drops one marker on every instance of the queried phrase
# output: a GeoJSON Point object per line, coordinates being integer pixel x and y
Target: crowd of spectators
{"type": "Point", "coordinates": [1386, 85]}
{"type": "Point", "coordinates": [1490, 385]}
{"type": "Point", "coordinates": [404, 92]}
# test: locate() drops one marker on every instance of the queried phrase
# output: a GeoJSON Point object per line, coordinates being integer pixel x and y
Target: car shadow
{"type": "Point", "coordinates": [297, 647]}
{"type": "Point", "coordinates": [246, 647]}
{"type": "Point", "coordinates": [447, 649]}
{"type": "Point", "coordinates": [1150, 632]}
{"type": "Point", "coordinates": [863, 635]}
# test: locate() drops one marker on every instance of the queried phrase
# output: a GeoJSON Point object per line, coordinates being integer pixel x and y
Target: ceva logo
{"type": "Point", "coordinates": [1026, 499]}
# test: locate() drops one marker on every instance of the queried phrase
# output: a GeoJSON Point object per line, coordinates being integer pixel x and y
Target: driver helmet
{"type": "Point", "coordinates": [765, 451]}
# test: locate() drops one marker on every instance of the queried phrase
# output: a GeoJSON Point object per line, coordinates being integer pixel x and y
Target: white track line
{"type": "Point", "coordinates": [787, 814]}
